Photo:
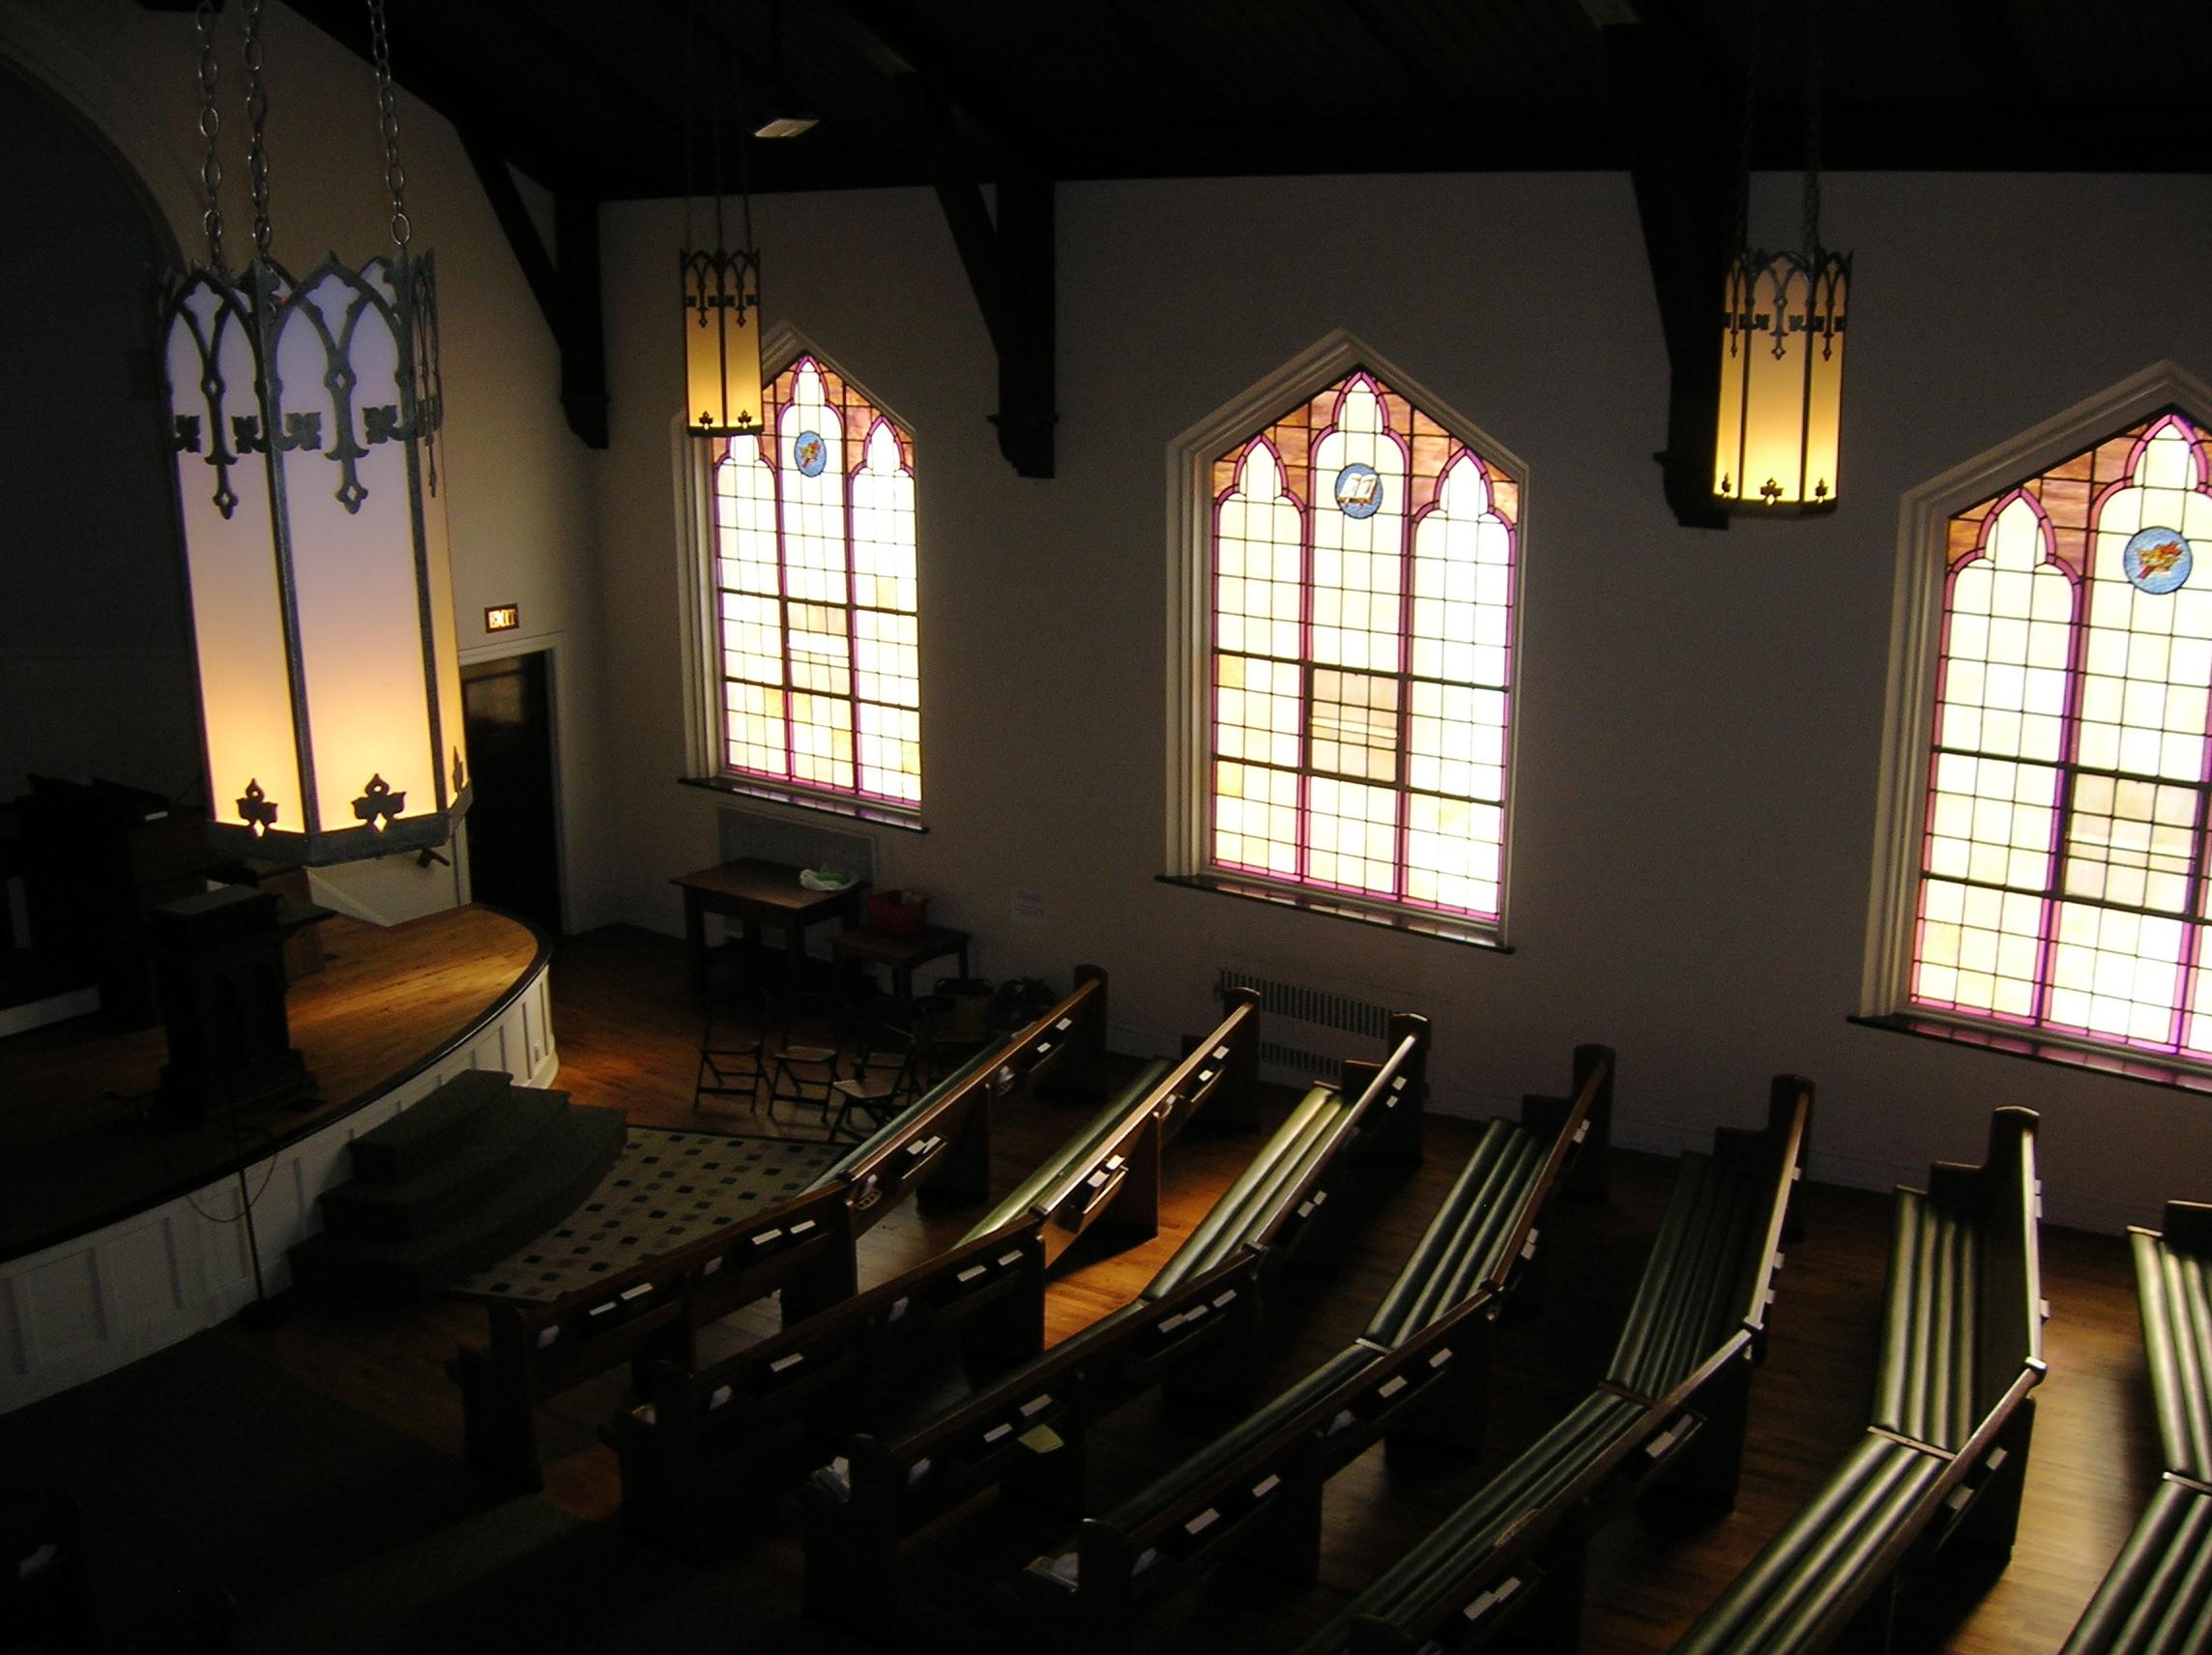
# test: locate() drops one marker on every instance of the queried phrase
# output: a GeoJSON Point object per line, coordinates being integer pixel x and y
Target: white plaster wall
{"type": "Point", "coordinates": [1699, 715]}
{"type": "Point", "coordinates": [520, 502]}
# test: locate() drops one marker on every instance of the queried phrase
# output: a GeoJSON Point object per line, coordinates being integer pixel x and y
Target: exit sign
{"type": "Point", "coordinates": [503, 618]}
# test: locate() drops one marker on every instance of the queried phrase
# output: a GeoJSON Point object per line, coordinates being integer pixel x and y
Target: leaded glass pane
{"type": "Point", "coordinates": [815, 569]}
{"type": "Point", "coordinates": [1362, 590]}
{"type": "Point", "coordinates": [2063, 854]}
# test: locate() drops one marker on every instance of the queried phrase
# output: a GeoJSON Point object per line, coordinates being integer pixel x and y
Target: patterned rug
{"type": "Point", "coordinates": [664, 1189]}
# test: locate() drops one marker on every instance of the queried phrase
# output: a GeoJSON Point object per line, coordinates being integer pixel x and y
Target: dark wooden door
{"type": "Point", "coordinates": [513, 826]}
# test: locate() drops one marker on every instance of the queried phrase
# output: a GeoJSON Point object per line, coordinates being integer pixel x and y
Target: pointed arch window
{"type": "Point", "coordinates": [2059, 889]}
{"type": "Point", "coordinates": [1353, 723]}
{"type": "Point", "coordinates": [815, 595]}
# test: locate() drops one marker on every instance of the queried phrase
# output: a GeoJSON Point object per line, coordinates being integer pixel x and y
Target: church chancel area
{"type": "Point", "coordinates": [1100, 828]}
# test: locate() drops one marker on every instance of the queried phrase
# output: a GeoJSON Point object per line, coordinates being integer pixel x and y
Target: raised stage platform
{"type": "Point", "coordinates": [118, 1236]}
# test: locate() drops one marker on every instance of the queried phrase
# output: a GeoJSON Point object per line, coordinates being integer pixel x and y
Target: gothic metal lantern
{"type": "Point", "coordinates": [1781, 380]}
{"type": "Point", "coordinates": [304, 421]}
{"type": "Point", "coordinates": [1781, 335]}
{"type": "Point", "coordinates": [721, 340]}
{"type": "Point", "coordinates": [721, 285]}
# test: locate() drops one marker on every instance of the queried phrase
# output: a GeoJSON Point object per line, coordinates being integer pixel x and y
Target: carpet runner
{"type": "Point", "coordinates": [664, 1189]}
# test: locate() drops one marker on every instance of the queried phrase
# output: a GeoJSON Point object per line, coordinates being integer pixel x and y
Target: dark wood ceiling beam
{"type": "Point", "coordinates": [1385, 27]}
{"type": "Point", "coordinates": [1011, 271]}
{"type": "Point", "coordinates": [555, 156]}
{"type": "Point", "coordinates": [1675, 116]}
{"type": "Point", "coordinates": [564, 283]}
{"type": "Point", "coordinates": [894, 42]}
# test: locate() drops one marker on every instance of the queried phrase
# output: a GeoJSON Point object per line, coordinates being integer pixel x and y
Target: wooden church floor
{"type": "Point", "coordinates": [628, 1038]}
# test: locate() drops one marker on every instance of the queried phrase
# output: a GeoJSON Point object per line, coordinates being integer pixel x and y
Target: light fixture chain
{"type": "Point", "coordinates": [1811, 198]}
{"type": "Point", "coordinates": [256, 123]}
{"type": "Point", "coordinates": [1750, 101]}
{"type": "Point", "coordinates": [211, 128]}
{"type": "Point", "coordinates": [388, 111]}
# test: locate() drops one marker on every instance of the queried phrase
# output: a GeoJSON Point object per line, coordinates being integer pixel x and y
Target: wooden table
{"type": "Point", "coordinates": [901, 954]}
{"type": "Point", "coordinates": [755, 892]}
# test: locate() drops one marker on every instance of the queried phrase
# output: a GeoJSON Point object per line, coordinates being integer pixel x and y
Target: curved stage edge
{"type": "Point", "coordinates": [406, 1010]}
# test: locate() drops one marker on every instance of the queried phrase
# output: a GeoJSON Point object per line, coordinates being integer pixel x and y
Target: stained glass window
{"type": "Point", "coordinates": [2063, 878]}
{"type": "Point", "coordinates": [1362, 593]}
{"type": "Point", "coordinates": [814, 574]}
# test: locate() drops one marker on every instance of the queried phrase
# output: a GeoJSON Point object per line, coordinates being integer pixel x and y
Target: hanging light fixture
{"type": "Point", "coordinates": [722, 299]}
{"type": "Point", "coordinates": [1782, 342]}
{"type": "Point", "coordinates": [304, 421]}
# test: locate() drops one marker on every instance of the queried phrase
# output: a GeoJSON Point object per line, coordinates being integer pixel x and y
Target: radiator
{"type": "Point", "coordinates": [1307, 1032]}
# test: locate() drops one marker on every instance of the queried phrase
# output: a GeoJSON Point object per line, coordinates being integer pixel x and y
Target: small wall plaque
{"type": "Point", "coordinates": [503, 618]}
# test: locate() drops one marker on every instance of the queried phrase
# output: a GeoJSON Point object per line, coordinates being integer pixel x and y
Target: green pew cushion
{"type": "Point", "coordinates": [1823, 1554]}
{"type": "Point", "coordinates": [2175, 1298]}
{"type": "Point", "coordinates": [2156, 1598]}
{"type": "Point", "coordinates": [1460, 1246]}
{"type": "Point", "coordinates": [1419, 1589]}
{"type": "Point", "coordinates": [1087, 1140]}
{"type": "Point", "coordinates": [1703, 1266]}
{"type": "Point", "coordinates": [1196, 1474]}
{"type": "Point", "coordinates": [1246, 1206]}
{"type": "Point", "coordinates": [1925, 1381]}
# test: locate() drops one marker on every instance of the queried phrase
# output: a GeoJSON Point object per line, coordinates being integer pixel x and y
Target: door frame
{"type": "Point", "coordinates": [549, 645]}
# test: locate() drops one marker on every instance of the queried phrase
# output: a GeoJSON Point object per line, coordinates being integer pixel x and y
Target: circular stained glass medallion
{"type": "Point", "coordinates": [2157, 560]}
{"type": "Point", "coordinates": [809, 453]}
{"type": "Point", "coordinates": [1358, 490]}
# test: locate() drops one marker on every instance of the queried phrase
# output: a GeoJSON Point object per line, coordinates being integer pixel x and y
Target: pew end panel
{"type": "Point", "coordinates": [640, 1315]}
{"type": "Point", "coordinates": [1393, 1112]}
{"type": "Point", "coordinates": [1584, 1163]}
{"type": "Point", "coordinates": [1116, 1181]}
{"type": "Point", "coordinates": [1058, 1054]}
{"type": "Point", "coordinates": [1576, 1163]}
{"type": "Point", "coordinates": [1777, 1151]}
{"type": "Point", "coordinates": [1430, 1391]}
{"type": "Point", "coordinates": [702, 1431]}
{"type": "Point", "coordinates": [2188, 1226]}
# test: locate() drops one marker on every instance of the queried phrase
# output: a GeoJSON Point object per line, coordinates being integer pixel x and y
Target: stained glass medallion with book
{"type": "Point", "coordinates": [815, 593]}
{"type": "Point", "coordinates": [2062, 882]}
{"type": "Point", "coordinates": [1362, 596]}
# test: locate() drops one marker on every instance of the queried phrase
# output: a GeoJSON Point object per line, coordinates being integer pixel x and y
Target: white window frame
{"type": "Point", "coordinates": [700, 615]}
{"type": "Point", "coordinates": [1916, 636]}
{"type": "Point", "coordinates": [1189, 678]}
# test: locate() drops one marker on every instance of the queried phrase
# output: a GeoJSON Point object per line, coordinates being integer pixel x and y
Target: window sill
{"type": "Point", "coordinates": [853, 809]}
{"type": "Point", "coordinates": [1443, 927]}
{"type": "Point", "coordinates": [2146, 1071]}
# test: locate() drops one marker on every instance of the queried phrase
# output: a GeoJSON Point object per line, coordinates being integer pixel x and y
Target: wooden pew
{"type": "Point", "coordinates": [1415, 1374]}
{"type": "Point", "coordinates": [1032, 1429]}
{"type": "Point", "coordinates": [1941, 1463]}
{"type": "Point", "coordinates": [1668, 1419]}
{"type": "Point", "coordinates": [2157, 1597]}
{"type": "Point", "coordinates": [942, 1140]}
{"type": "Point", "coordinates": [1112, 1165]}
{"type": "Point", "coordinates": [650, 1311]}
{"type": "Point", "coordinates": [721, 1422]}
{"type": "Point", "coordinates": [819, 1379]}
